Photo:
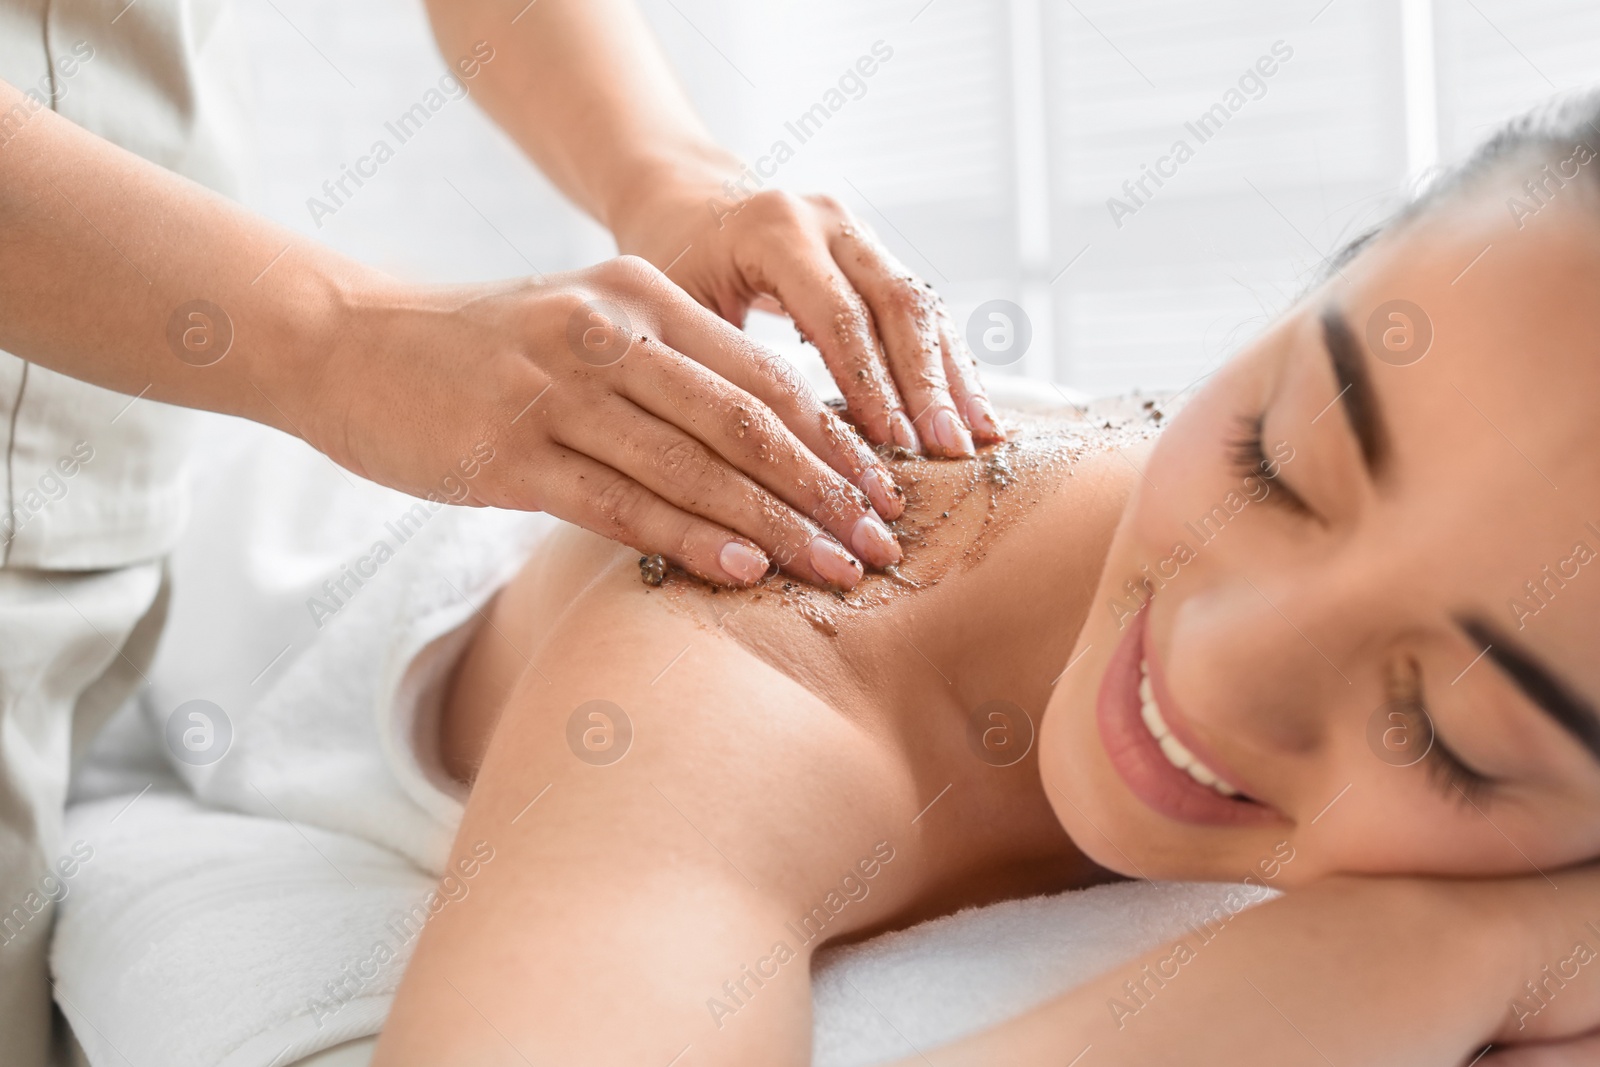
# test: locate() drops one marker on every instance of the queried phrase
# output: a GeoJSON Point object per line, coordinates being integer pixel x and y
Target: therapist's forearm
{"type": "Point", "coordinates": [585, 91]}
{"type": "Point", "coordinates": [101, 253]}
{"type": "Point", "coordinates": [117, 272]}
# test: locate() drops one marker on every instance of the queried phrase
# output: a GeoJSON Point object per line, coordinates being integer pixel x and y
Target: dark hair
{"type": "Point", "coordinates": [1552, 132]}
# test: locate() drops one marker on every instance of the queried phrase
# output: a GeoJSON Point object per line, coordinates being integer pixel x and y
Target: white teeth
{"type": "Point", "coordinates": [1179, 756]}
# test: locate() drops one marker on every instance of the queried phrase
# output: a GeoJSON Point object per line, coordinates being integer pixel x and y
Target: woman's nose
{"type": "Point", "coordinates": [1259, 661]}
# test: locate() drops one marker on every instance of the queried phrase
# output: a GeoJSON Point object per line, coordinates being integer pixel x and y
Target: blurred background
{"type": "Point", "coordinates": [983, 151]}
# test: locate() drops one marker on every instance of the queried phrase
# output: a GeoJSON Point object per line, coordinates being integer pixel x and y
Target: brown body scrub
{"type": "Point", "coordinates": [955, 509]}
{"type": "Point", "coordinates": [652, 570]}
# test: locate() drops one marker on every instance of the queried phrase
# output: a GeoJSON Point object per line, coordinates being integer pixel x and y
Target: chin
{"type": "Point", "coordinates": [1107, 822]}
{"type": "Point", "coordinates": [1079, 786]}
{"type": "Point", "coordinates": [1114, 834]}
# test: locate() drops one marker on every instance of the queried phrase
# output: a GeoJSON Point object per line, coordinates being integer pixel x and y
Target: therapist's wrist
{"type": "Point", "coordinates": [658, 200]}
{"type": "Point", "coordinates": [324, 342]}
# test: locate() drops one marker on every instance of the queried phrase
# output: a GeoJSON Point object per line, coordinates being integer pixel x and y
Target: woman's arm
{"type": "Point", "coordinates": [658, 861]}
{"type": "Point", "coordinates": [1410, 972]}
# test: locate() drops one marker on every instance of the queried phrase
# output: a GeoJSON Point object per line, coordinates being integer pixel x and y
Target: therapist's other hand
{"type": "Point", "coordinates": [613, 400]}
{"type": "Point", "coordinates": [887, 338]}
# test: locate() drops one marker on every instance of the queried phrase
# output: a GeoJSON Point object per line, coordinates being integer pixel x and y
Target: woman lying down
{"type": "Point", "coordinates": [1334, 626]}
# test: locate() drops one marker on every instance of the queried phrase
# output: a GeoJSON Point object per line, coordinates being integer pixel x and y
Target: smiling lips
{"type": "Point", "coordinates": [1153, 751]}
{"type": "Point", "coordinates": [1178, 755]}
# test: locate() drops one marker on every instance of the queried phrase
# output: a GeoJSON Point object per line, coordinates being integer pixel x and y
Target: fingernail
{"type": "Point", "coordinates": [951, 435]}
{"type": "Point", "coordinates": [742, 563]}
{"type": "Point", "coordinates": [904, 434]}
{"type": "Point", "coordinates": [834, 563]}
{"type": "Point", "coordinates": [981, 417]}
{"type": "Point", "coordinates": [874, 543]}
{"type": "Point", "coordinates": [886, 503]}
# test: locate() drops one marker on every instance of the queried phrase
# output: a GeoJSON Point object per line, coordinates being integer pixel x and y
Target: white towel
{"type": "Point", "coordinates": [324, 821]}
{"type": "Point", "coordinates": [273, 623]}
{"type": "Point", "coordinates": [906, 992]}
{"type": "Point", "coordinates": [196, 938]}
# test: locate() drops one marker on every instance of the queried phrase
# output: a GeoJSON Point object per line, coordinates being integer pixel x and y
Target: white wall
{"type": "Point", "coordinates": [984, 151]}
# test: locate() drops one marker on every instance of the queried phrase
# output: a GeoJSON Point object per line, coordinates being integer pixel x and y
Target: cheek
{"type": "Point", "coordinates": [1184, 463]}
{"type": "Point", "coordinates": [1187, 468]}
{"type": "Point", "coordinates": [1190, 464]}
{"type": "Point", "coordinates": [1188, 493]}
{"type": "Point", "coordinates": [1384, 825]}
{"type": "Point", "coordinates": [1395, 820]}
{"type": "Point", "coordinates": [1191, 471]}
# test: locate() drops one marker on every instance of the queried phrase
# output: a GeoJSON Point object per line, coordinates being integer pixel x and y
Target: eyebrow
{"type": "Point", "coordinates": [1548, 692]}
{"type": "Point", "coordinates": [1355, 386]}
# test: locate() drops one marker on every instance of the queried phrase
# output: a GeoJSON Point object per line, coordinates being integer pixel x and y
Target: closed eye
{"type": "Point", "coordinates": [1453, 776]}
{"type": "Point", "coordinates": [1247, 451]}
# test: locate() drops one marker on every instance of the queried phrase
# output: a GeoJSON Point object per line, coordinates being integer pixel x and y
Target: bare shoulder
{"type": "Point", "coordinates": [592, 592]}
{"type": "Point", "coordinates": [959, 517]}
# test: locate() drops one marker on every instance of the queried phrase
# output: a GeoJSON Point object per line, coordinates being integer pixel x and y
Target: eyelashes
{"type": "Point", "coordinates": [1246, 449]}
{"type": "Point", "coordinates": [1448, 773]}
{"type": "Point", "coordinates": [1247, 453]}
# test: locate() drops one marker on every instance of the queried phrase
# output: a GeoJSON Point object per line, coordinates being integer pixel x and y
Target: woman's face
{"type": "Point", "coordinates": [1373, 541]}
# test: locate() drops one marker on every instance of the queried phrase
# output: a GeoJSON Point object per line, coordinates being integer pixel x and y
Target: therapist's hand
{"type": "Point", "coordinates": [611, 399]}
{"type": "Point", "coordinates": [584, 90]}
{"type": "Point", "coordinates": [675, 433]}
{"type": "Point", "coordinates": [887, 338]}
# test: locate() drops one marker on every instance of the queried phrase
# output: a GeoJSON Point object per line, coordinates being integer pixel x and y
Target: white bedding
{"type": "Point", "coordinates": [232, 914]}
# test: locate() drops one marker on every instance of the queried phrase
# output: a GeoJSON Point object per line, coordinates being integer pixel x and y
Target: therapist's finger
{"type": "Point", "coordinates": [961, 372]}
{"type": "Point", "coordinates": [588, 493]}
{"type": "Point", "coordinates": [771, 379]}
{"type": "Point", "coordinates": [748, 437]}
{"type": "Point", "coordinates": [907, 313]}
{"type": "Point", "coordinates": [795, 266]}
{"type": "Point", "coordinates": [690, 477]}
